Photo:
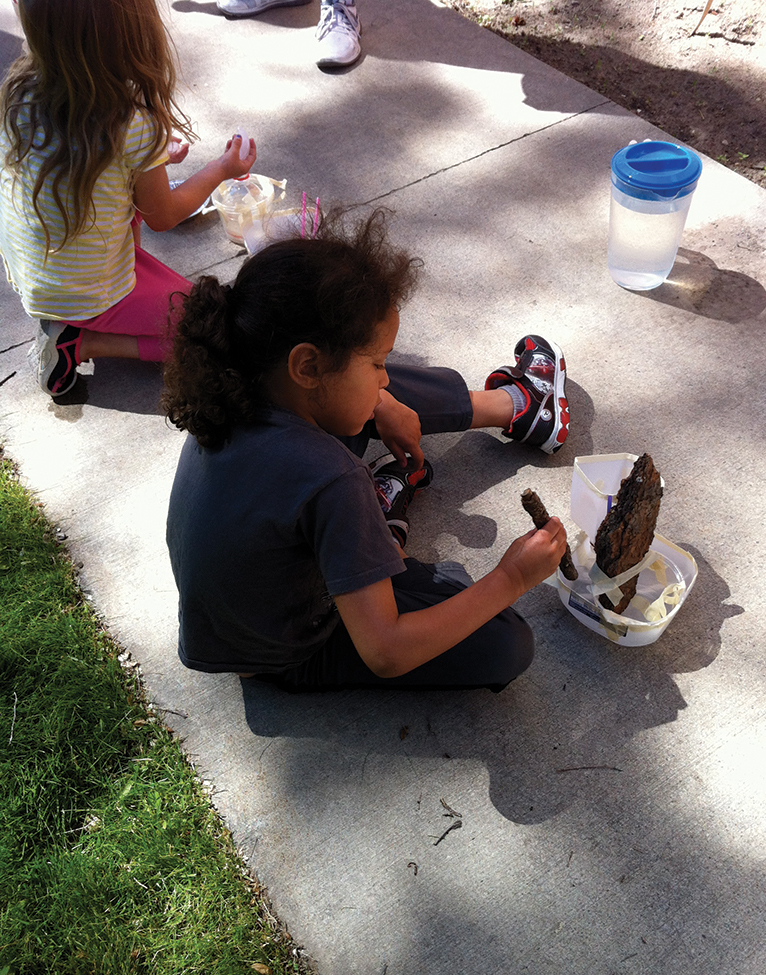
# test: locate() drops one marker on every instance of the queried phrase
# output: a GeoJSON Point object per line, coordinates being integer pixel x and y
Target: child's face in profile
{"type": "Point", "coordinates": [349, 397]}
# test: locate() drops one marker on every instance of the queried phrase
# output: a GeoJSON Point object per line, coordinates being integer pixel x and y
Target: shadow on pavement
{"type": "Point", "coordinates": [698, 285]}
{"type": "Point", "coordinates": [708, 107]}
{"type": "Point", "coordinates": [10, 48]}
{"type": "Point", "coordinates": [561, 733]}
{"type": "Point", "coordinates": [122, 385]}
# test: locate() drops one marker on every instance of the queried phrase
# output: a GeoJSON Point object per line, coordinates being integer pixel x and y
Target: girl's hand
{"type": "Point", "coordinates": [177, 150]}
{"type": "Point", "coordinates": [163, 208]}
{"type": "Point", "coordinates": [534, 556]}
{"type": "Point", "coordinates": [399, 428]}
{"type": "Point", "coordinates": [231, 163]}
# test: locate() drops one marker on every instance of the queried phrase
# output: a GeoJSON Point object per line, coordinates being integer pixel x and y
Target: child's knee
{"type": "Point", "coordinates": [518, 647]}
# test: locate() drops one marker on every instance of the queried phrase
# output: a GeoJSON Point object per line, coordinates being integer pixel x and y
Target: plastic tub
{"type": "Point", "coordinates": [663, 584]}
{"type": "Point", "coordinates": [596, 479]}
{"type": "Point", "coordinates": [276, 225]}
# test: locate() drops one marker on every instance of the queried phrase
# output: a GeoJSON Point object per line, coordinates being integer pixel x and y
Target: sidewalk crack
{"type": "Point", "coordinates": [478, 155]}
{"type": "Point", "coordinates": [18, 345]}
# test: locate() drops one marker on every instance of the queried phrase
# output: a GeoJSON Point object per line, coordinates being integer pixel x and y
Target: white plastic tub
{"type": "Point", "coordinates": [277, 225]}
{"type": "Point", "coordinates": [663, 584]}
{"type": "Point", "coordinates": [661, 591]}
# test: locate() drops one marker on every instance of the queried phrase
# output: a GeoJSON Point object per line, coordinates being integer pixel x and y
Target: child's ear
{"type": "Point", "coordinates": [304, 365]}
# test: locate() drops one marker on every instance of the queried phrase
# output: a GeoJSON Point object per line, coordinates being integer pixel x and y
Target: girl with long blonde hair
{"type": "Point", "coordinates": [88, 122]}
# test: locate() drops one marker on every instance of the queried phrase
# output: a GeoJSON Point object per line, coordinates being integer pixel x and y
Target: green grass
{"type": "Point", "coordinates": [112, 858]}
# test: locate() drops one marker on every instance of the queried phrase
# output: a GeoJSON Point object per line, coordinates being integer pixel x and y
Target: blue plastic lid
{"type": "Point", "coordinates": [656, 170]}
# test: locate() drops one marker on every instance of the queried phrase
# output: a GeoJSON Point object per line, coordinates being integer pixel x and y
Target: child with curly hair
{"type": "Point", "coordinates": [287, 549]}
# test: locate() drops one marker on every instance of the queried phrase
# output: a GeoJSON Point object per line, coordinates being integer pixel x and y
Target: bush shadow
{"type": "Point", "coordinates": [699, 108]}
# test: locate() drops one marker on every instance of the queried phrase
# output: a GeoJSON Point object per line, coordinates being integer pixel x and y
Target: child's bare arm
{"type": "Point", "coordinates": [163, 208]}
{"type": "Point", "coordinates": [399, 428]}
{"type": "Point", "coordinates": [392, 644]}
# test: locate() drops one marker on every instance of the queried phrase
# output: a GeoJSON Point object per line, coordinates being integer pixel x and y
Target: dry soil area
{"type": "Point", "coordinates": [706, 87]}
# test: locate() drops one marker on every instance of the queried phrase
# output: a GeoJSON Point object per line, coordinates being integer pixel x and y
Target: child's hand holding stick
{"type": "Point", "coordinates": [536, 509]}
{"type": "Point", "coordinates": [533, 557]}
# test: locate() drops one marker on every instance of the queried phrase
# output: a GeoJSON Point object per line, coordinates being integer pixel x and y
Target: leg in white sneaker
{"type": "Point", "coordinates": [338, 34]}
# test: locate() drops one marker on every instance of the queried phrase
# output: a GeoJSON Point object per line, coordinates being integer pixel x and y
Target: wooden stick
{"type": "Point", "coordinates": [536, 510]}
{"type": "Point", "coordinates": [705, 12]}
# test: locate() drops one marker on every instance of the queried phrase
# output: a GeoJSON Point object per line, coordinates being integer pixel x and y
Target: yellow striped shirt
{"type": "Point", "coordinates": [95, 269]}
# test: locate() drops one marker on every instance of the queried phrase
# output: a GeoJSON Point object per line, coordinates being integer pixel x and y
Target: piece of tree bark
{"type": "Point", "coordinates": [625, 535]}
{"type": "Point", "coordinates": [537, 511]}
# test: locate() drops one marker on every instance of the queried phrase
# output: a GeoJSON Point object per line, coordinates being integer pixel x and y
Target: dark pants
{"type": "Point", "coordinates": [490, 657]}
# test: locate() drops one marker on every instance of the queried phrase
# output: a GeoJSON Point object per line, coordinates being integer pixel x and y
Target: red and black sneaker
{"type": "Point", "coordinates": [395, 487]}
{"type": "Point", "coordinates": [540, 375]}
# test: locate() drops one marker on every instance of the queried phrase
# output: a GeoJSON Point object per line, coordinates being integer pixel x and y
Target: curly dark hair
{"type": "Point", "coordinates": [331, 290]}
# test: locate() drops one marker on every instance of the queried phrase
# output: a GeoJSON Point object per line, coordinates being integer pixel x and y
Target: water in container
{"type": "Point", "coordinates": [244, 200]}
{"type": "Point", "coordinates": [652, 187]}
{"type": "Point", "coordinates": [643, 242]}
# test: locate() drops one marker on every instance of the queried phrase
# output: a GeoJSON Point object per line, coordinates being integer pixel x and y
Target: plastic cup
{"type": "Point", "coordinates": [652, 187]}
{"type": "Point", "coordinates": [242, 201]}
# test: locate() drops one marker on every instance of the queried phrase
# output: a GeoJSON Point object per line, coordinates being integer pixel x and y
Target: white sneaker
{"type": "Point", "coordinates": [246, 8]}
{"type": "Point", "coordinates": [338, 34]}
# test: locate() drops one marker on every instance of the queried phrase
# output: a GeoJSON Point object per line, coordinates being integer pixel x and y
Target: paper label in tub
{"type": "Point", "coordinates": [590, 610]}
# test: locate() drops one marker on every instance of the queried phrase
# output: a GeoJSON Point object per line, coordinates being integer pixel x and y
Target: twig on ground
{"type": "Point", "coordinates": [705, 12]}
{"type": "Point", "coordinates": [181, 714]}
{"type": "Point", "coordinates": [456, 825]}
{"type": "Point", "coordinates": [450, 811]}
{"type": "Point", "coordinates": [13, 722]}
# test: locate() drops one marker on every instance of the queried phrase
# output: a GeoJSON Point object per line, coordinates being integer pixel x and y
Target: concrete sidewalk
{"type": "Point", "coordinates": [611, 799]}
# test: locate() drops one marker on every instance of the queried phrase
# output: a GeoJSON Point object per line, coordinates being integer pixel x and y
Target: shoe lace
{"type": "Point", "coordinates": [336, 17]}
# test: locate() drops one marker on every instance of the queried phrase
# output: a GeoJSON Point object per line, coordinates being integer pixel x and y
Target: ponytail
{"type": "Point", "coordinates": [205, 391]}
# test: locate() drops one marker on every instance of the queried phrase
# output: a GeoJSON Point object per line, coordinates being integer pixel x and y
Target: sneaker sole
{"type": "Point", "coordinates": [262, 10]}
{"type": "Point", "coordinates": [426, 472]}
{"type": "Point", "coordinates": [338, 62]}
{"type": "Point", "coordinates": [561, 413]}
{"type": "Point", "coordinates": [44, 357]}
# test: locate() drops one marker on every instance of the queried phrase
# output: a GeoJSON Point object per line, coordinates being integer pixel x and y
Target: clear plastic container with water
{"type": "Point", "coordinates": [244, 200]}
{"type": "Point", "coordinates": [652, 187]}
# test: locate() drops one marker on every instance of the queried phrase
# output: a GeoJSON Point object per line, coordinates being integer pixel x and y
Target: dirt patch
{"type": "Point", "coordinates": [707, 88]}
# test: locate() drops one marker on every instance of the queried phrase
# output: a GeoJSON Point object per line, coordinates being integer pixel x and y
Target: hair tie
{"type": "Point", "coordinates": [226, 290]}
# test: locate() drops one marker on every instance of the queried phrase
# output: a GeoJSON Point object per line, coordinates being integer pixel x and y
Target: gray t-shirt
{"type": "Point", "coordinates": [262, 534]}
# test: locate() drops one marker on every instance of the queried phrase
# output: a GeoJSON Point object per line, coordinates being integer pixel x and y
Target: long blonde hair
{"type": "Point", "coordinates": [91, 65]}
